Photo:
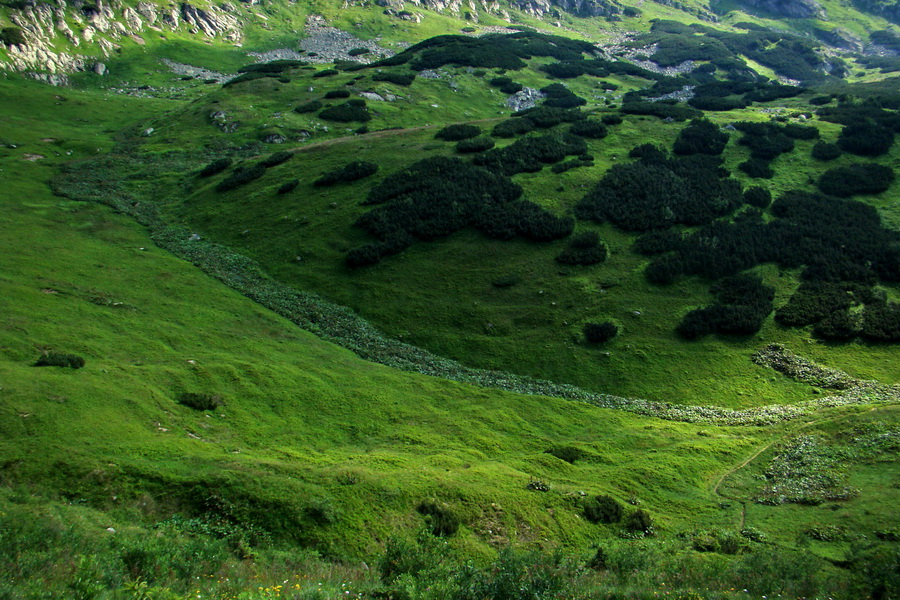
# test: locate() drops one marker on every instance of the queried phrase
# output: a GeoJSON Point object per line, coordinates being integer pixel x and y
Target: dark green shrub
{"type": "Point", "coordinates": [455, 133]}
{"type": "Point", "coordinates": [506, 281]}
{"type": "Point", "coordinates": [333, 94]}
{"type": "Point", "coordinates": [506, 85]}
{"type": "Point", "coordinates": [404, 79]}
{"type": "Point", "coordinates": [614, 119]}
{"type": "Point", "coordinates": [358, 51]}
{"type": "Point", "coordinates": [59, 359]}
{"type": "Point", "coordinates": [757, 196]}
{"type": "Point", "coordinates": [288, 186]}
{"type": "Point", "coordinates": [326, 73]}
{"type": "Point", "coordinates": [12, 36]}
{"type": "Point", "coordinates": [639, 522]}
{"type": "Point", "coordinates": [824, 151]}
{"type": "Point", "coordinates": [597, 333]}
{"type": "Point", "coordinates": [583, 249]}
{"type": "Point", "coordinates": [241, 176]}
{"type": "Point", "coordinates": [311, 106]}
{"type": "Point", "coordinates": [820, 100]}
{"type": "Point", "coordinates": [856, 179]}
{"type": "Point", "coordinates": [701, 137]}
{"type": "Point", "coordinates": [570, 454]}
{"type": "Point", "coordinates": [598, 562]}
{"type": "Point", "coordinates": [478, 144]}
{"type": "Point", "coordinates": [198, 401]}
{"type": "Point", "coordinates": [603, 509]}
{"type": "Point", "coordinates": [275, 66]}
{"type": "Point", "coordinates": [353, 171]}
{"type": "Point", "coordinates": [881, 322]}
{"type": "Point", "coordinates": [276, 158]}
{"type": "Point", "coordinates": [757, 168]}
{"type": "Point", "coordinates": [441, 520]}
{"type": "Point", "coordinates": [215, 167]}
{"type": "Point", "coordinates": [866, 138]}
{"type": "Point", "coordinates": [512, 127]}
{"type": "Point", "coordinates": [589, 129]}
{"type": "Point", "coordinates": [347, 112]}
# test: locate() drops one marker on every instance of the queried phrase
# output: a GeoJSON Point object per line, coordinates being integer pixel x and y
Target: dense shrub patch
{"type": "Point", "coordinates": [597, 333]}
{"type": "Point", "coordinates": [700, 137]}
{"type": "Point", "coordinates": [288, 186]}
{"type": "Point", "coordinates": [199, 401]}
{"type": "Point", "coordinates": [589, 129]}
{"type": "Point", "coordinates": [529, 155]}
{"type": "Point", "coordinates": [866, 138]}
{"type": "Point", "coordinates": [478, 144]}
{"type": "Point", "coordinates": [824, 151]}
{"type": "Point", "coordinates": [742, 304]}
{"type": "Point", "coordinates": [658, 191]}
{"type": "Point", "coordinates": [59, 359]}
{"type": "Point", "coordinates": [856, 179]}
{"type": "Point", "coordinates": [308, 107]}
{"type": "Point", "coordinates": [757, 168]}
{"type": "Point", "coordinates": [603, 509]}
{"type": "Point", "coordinates": [326, 73]}
{"type": "Point", "coordinates": [437, 196]}
{"type": "Point", "coordinates": [335, 94]}
{"type": "Point", "coordinates": [215, 167]}
{"type": "Point", "coordinates": [12, 36]}
{"type": "Point", "coordinates": [275, 66]}
{"type": "Point", "coordinates": [662, 110]}
{"type": "Point", "coordinates": [506, 85]}
{"type": "Point", "coordinates": [241, 176]}
{"type": "Point", "coordinates": [570, 454]}
{"type": "Point", "coordinates": [441, 520]}
{"type": "Point", "coordinates": [583, 249]}
{"type": "Point", "coordinates": [352, 110]}
{"type": "Point", "coordinates": [353, 171]}
{"type": "Point", "coordinates": [455, 133]}
{"type": "Point", "coordinates": [276, 158]}
{"type": "Point", "coordinates": [759, 197]}
{"type": "Point", "coordinates": [403, 79]}
{"type": "Point", "coordinates": [512, 127]}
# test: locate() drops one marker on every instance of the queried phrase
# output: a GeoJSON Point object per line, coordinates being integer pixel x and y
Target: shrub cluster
{"type": "Point", "coordinates": [759, 197]}
{"type": "Point", "coordinates": [866, 138]}
{"type": "Point", "coordinates": [700, 137]}
{"type": "Point", "coordinates": [597, 333]}
{"type": "Point", "coordinates": [199, 401]}
{"type": "Point", "coordinates": [288, 186]}
{"type": "Point", "coordinates": [438, 196]}
{"type": "Point", "coordinates": [506, 85]}
{"type": "Point", "coordinates": [881, 322]}
{"type": "Point", "coordinates": [352, 171]}
{"type": "Point", "coordinates": [308, 107]}
{"type": "Point", "coordinates": [658, 191]}
{"type": "Point", "coordinates": [477, 144]}
{"type": "Point", "coordinates": [441, 520]}
{"type": "Point", "coordinates": [529, 155]}
{"type": "Point", "coordinates": [824, 151]}
{"type": "Point", "coordinates": [241, 176]}
{"type": "Point", "coordinates": [585, 160]}
{"type": "Point", "coordinates": [455, 133]}
{"type": "Point", "coordinates": [326, 73]}
{"type": "Point", "coordinates": [583, 249]}
{"type": "Point", "coordinates": [603, 509]}
{"type": "Point", "coordinates": [215, 167]}
{"type": "Point", "coordinates": [512, 127]}
{"type": "Point", "coordinates": [276, 158]}
{"type": "Point", "coordinates": [403, 79]}
{"type": "Point", "coordinates": [589, 129]}
{"type": "Point", "coordinates": [837, 240]}
{"type": "Point", "coordinates": [559, 96]}
{"type": "Point", "coordinates": [59, 359]}
{"type": "Point", "coordinates": [12, 36]}
{"type": "Point", "coordinates": [337, 94]}
{"type": "Point", "coordinates": [570, 454]}
{"type": "Point", "coordinates": [275, 66]}
{"type": "Point", "coordinates": [856, 179]}
{"type": "Point", "coordinates": [662, 110]}
{"type": "Point", "coordinates": [350, 111]}
{"type": "Point", "coordinates": [743, 303]}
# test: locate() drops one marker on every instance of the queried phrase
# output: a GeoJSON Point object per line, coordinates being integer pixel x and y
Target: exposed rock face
{"type": "Point", "coordinates": [102, 25]}
{"type": "Point", "coordinates": [526, 98]}
{"type": "Point", "coordinates": [579, 8]}
{"type": "Point", "coordinates": [795, 9]}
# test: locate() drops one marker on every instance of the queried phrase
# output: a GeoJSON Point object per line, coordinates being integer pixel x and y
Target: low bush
{"type": "Point", "coordinates": [639, 522]}
{"type": "Point", "coordinates": [856, 179]}
{"type": "Point", "coordinates": [441, 520]}
{"type": "Point", "coordinates": [597, 333]}
{"type": "Point", "coordinates": [589, 129]}
{"type": "Point", "coordinates": [276, 158]}
{"type": "Point", "coordinates": [455, 133]}
{"type": "Point", "coordinates": [824, 151]}
{"type": "Point", "coordinates": [199, 401]}
{"type": "Point", "coordinates": [611, 119]}
{"type": "Point", "coordinates": [358, 51]}
{"type": "Point", "coordinates": [603, 509]}
{"type": "Point", "coordinates": [288, 186]}
{"type": "Point", "coordinates": [241, 176]}
{"type": "Point", "coordinates": [478, 144]}
{"type": "Point", "coordinates": [759, 197]}
{"type": "Point", "coordinates": [757, 168]}
{"type": "Point", "coordinates": [700, 137]}
{"type": "Point", "coordinates": [403, 79]}
{"type": "Point", "coordinates": [333, 94]}
{"type": "Point", "coordinates": [215, 167]}
{"type": "Point", "coordinates": [12, 36]}
{"type": "Point", "coordinates": [59, 359]}
{"type": "Point", "coordinates": [866, 138]}
{"type": "Point", "coordinates": [570, 454]}
{"type": "Point", "coordinates": [309, 107]}
{"type": "Point", "coordinates": [506, 85]}
{"type": "Point", "coordinates": [512, 127]}
{"type": "Point", "coordinates": [326, 73]}
{"type": "Point", "coordinates": [350, 111]}
{"type": "Point", "coordinates": [353, 171]}
{"type": "Point", "coordinates": [583, 249]}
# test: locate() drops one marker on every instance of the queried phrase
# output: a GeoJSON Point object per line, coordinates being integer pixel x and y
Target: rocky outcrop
{"type": "Point", "coordinates": [524, 99]}
{"type": "Point", "coordinates": [579, 8]}
{"type": "Point", "coordinates": [102, 25]}
{"type": "Point", "coordinates": [794, 9]}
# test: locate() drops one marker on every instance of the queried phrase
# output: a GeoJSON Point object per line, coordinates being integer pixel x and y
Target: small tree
{"type": "Point", "coordinates": [603, 509]}
{"type": "Point", "coordinates": [597, 333]}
